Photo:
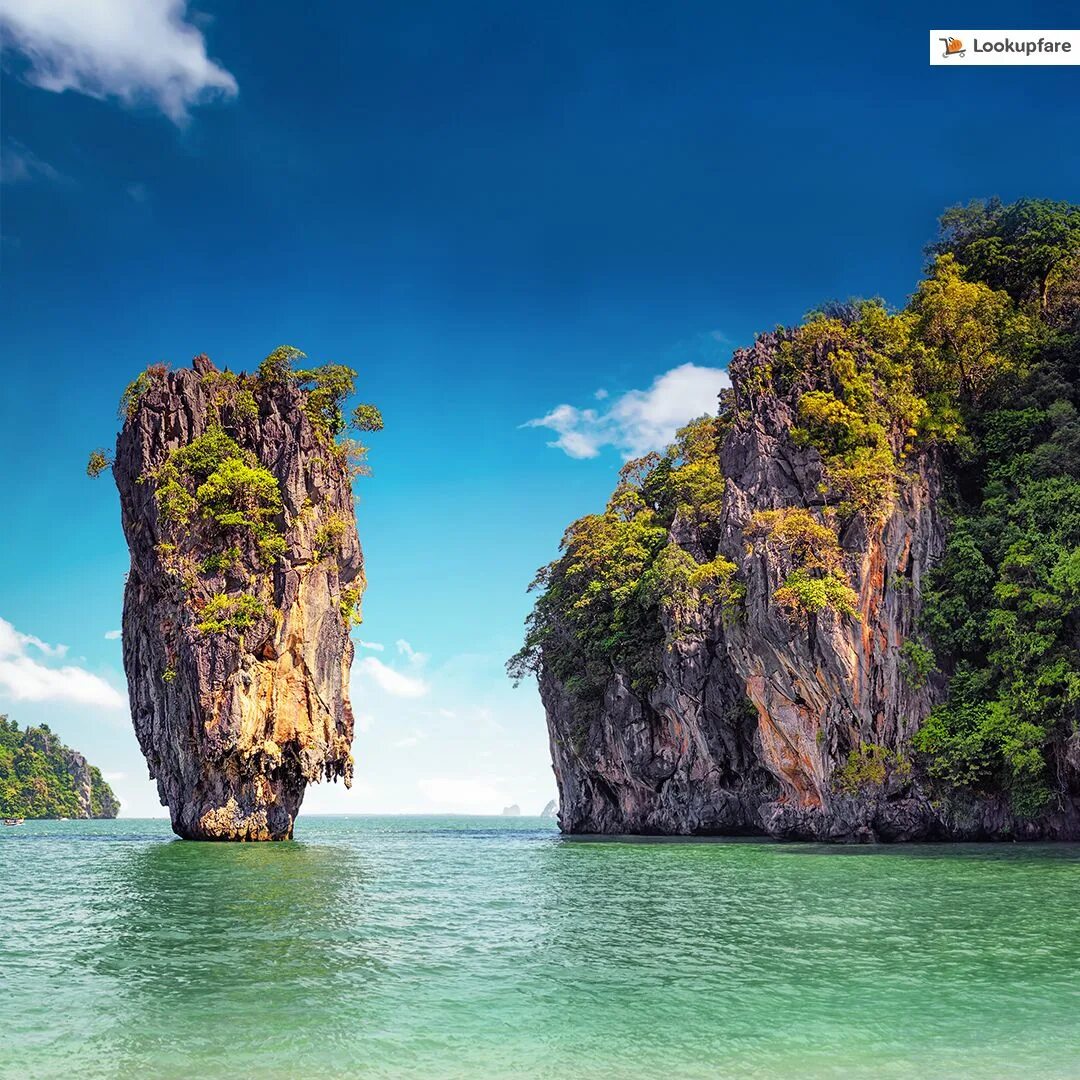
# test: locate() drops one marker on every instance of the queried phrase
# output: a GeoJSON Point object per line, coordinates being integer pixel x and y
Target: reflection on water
{"type": "Point", "coordinates": [447, 947]}
{"type": "Point", "coordinates": [248, 938]}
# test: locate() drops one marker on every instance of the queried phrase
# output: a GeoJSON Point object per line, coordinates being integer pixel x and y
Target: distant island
{"type": "Point", "coordinates": [511, 811]}
{"type": "Point", "coordinates": [40, 777]}
{"type": "Point", "coordinates": [551, 810]}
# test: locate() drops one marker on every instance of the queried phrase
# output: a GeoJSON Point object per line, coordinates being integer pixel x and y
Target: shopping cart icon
{"type": "Point", "coordinates": [953, 46]}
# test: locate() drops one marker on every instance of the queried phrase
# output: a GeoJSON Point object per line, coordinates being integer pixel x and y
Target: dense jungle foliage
{"type": "Point", "coordinates": [1003, 608]}
{"type": "Point", "coordinates": [983, 367]}
{"type": "Point", "coordinates": [36, 779]}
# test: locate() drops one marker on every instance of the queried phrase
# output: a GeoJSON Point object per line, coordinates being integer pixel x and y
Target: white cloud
{"type": "Point", "coordinates": [113, 635]}
{"type": "Point", "coordinates": [371, 645]}
{"type": "Point", "coordinates": [600, 394]}
{"type": "Point", "coordinates": [580, 431]}
{"type": "Point", "coordinates": [390, 681]}
{"type": "Point", "coordinates": [133, 50]}
{"type": "Point", "coordinates": [14, 643]}
{"type": "Point", "coordinates": [19, 165]}
{"type": "Point", "coordinates": [364, 721]}
{"type": "Point", "coordinates": [639, 420]}
{"type": "Point", "coordinates": [25, 678]}
{"type": "Point", "coordinates": [463, 795]}
{"type": "Point", "coordinates": [417, 659]}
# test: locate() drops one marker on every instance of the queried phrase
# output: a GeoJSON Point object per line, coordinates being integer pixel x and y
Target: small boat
{"type": "Point", "coordinates": [14, 820]}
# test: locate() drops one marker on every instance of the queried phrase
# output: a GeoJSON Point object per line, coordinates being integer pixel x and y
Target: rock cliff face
{"type": "Point", "coordinates": [766, 725]}
{"type": "Point", "coordinates": [95, 797]}
{"type": "Point", "coordinates": [245, 574]}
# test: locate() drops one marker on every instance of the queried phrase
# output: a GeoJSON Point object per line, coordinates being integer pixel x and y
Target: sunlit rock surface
{"type": "Point", "coordinates": [235, 723]}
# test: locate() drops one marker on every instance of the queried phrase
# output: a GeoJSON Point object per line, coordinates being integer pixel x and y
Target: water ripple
{"type": "Point", "coordinates": [443, 947]}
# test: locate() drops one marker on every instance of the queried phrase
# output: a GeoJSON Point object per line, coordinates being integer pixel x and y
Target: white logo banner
{"type": "Point", "coordinates": [959, 48]}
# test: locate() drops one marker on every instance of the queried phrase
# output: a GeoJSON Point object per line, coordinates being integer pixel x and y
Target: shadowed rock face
{"type": "Point", "coordinates": [235, 721]}
{"type": "Point", "coordinates": [82, 777]}
{"type": "Point", "coordinates": [752, 721]}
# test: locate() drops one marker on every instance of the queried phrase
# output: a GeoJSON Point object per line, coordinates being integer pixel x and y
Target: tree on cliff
{"type": "Point", "coordinates": [1026, 248]}
{"type": "Point", "coordinates": [598, 602]}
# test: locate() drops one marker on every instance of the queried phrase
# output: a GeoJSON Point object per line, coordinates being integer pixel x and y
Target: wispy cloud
{"type": "Point", "coordinates": [417, 659]}
{"type": "Point", "coordinates": [24, 677]}
{"type": "Point", "coordinates": [639, 420]}
{"type": "Point", "coordinates": [20, 165]}
{"type": "Point", "coordinates": [131, 50]}
{"type": "Point", "coordinates": [389, 680]}
{"type": "Point", "coordinates": [371, 645]}
{"type": "Point", "coordinates": [113, 635]}
{"type": "Point", "coordinates": [14, 643]}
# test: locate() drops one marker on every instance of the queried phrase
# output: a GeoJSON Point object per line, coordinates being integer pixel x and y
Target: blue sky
{"type": "Point", "coordinates": [491, 211]}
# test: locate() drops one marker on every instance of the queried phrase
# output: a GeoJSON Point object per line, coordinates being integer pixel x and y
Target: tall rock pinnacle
{"type": "Point", "coordinates": [246, 576]}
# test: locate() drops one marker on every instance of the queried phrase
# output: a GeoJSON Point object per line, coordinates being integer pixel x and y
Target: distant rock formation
{"type": "Point", "coordinates": [551, 810]}
{"type": "Point", "coordinates": [49, 779]}
{"type": "Point", "coordinates": [511, 811]}
{"type": "Point", "coordinates": [246, 575]}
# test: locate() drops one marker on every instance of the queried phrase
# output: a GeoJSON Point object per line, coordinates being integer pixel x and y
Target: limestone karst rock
{"type": "Point", "coordinates": [246, 575]}
{"type": "Point", "coordinates": [751, 720]}
{"type": "Point", "coordinates": [750, 717]}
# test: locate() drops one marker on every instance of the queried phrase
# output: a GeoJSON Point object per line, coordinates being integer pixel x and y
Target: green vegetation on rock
{"type": "Point", "coordinates": [1003, 607]}
{"type": "Point", "coordinates": [978, 376]}
{"type": "Point", "coordinates": [867, 766]}
{"type": "Point", "coordinates": [211, 481]}
{"type": "Point", "coordinates": [230, 611]}
{"type": "Point", "coordinates": [350, 605]}
{"type": "Point", "coordinates": [598, 606]}
{"type": "Point", "coordinates": [817, 581]}
{"type": "Point", "coordinates": [42, 778]}
{"type": "Point", "coordinates": [134, 391]}
{"type": "Point", "coordinates": [220, 509]}
{"type": "Point", "coordinates": [97, 463]}
{"type": "Point", "coordinates": [919, 661]}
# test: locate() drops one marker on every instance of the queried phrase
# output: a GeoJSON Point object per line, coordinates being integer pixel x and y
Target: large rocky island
{"type": "Point", "coordinates": [846, 605]}
{"type": "Point", "coordinates": [246, 576]}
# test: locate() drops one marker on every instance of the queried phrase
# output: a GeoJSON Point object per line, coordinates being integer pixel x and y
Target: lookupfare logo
{"type": "Point", "coordinates": [961, 48]}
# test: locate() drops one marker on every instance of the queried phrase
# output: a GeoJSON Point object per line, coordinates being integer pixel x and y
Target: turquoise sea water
{"type": "Point", "coordinates": [476, 947]}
